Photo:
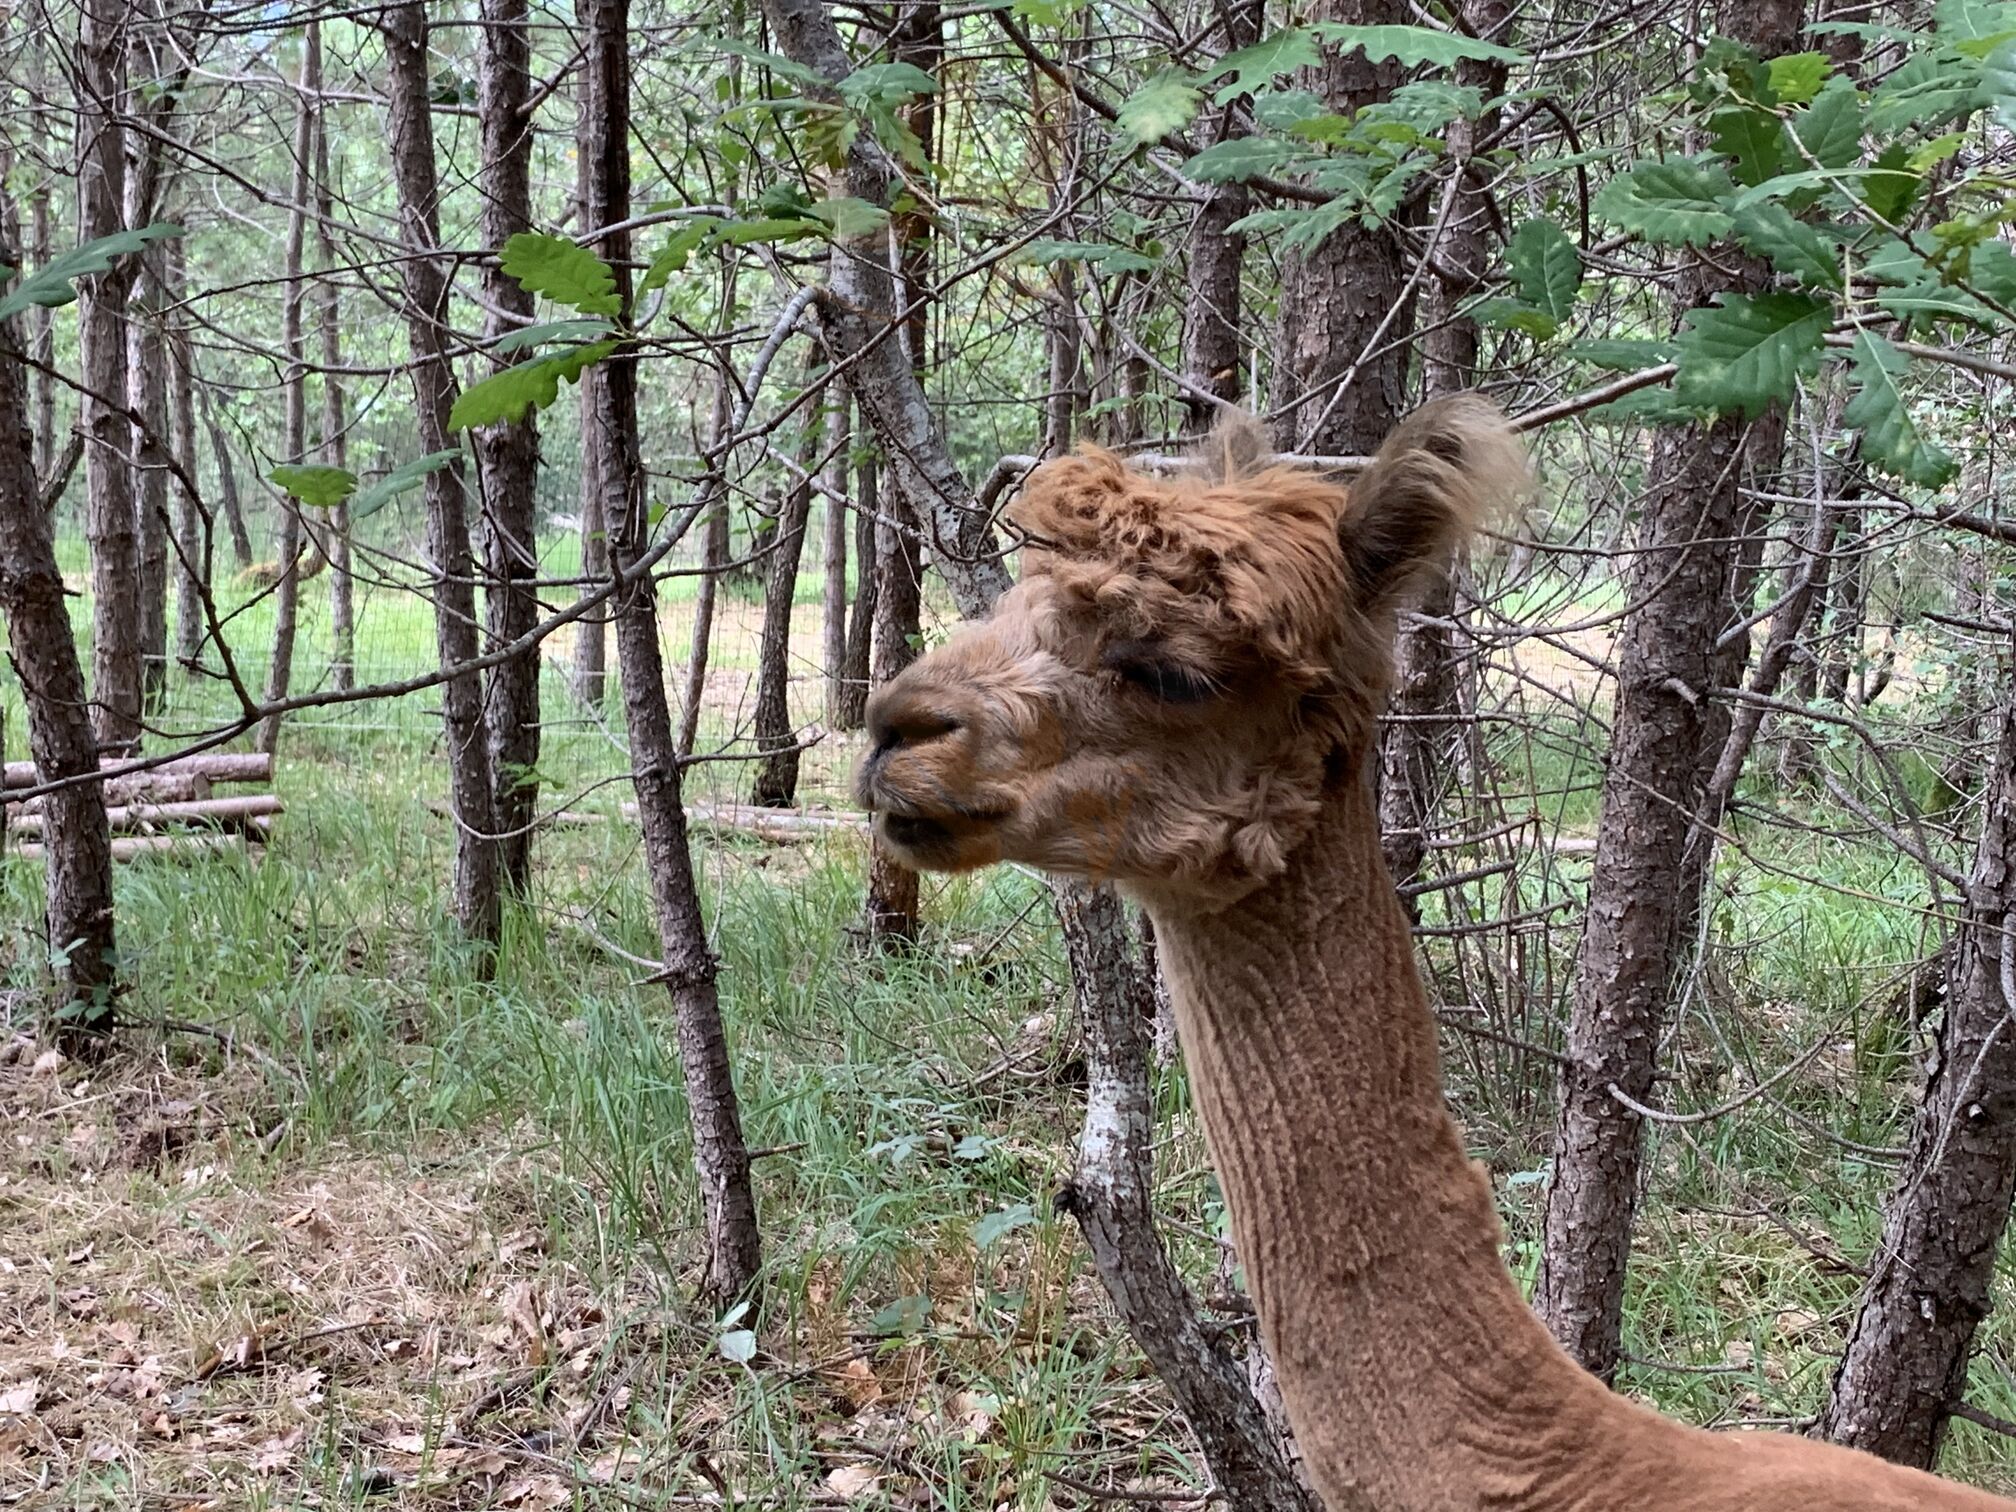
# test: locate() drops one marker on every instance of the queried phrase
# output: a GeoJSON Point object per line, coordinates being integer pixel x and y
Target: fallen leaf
{"type": "Point", "coordinates": [48, 1063]}
{"type": "Point", "coordinates": [857, 1382]}
{"type": "Point", "coordinates": [20, 1400]}
{"type": "Point", "coordinates": [535, 1491]}
{"type": "Point", "coordinates": [976, 1411]}
{"type": "Point", "coordinates": [407, 1443]}
{"type": "Point", "coordinates": [850, 1481]}
{"type": "Point", "coordinates": [79, 1256]}
{"type": "Point", "coordinates": [104, 1452]}
{"type": "Point", "coordinates": [521, 1309]}
{"type": "Point", "coordinates": [277, 1453]}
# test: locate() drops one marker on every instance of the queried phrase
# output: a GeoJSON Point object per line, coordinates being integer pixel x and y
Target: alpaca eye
{"type": "Point", "coordinates": [1167, 681]}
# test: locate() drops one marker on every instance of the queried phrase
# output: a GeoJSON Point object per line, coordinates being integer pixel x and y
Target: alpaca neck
{"type": "Point", "coordinates": [1414, 1374]}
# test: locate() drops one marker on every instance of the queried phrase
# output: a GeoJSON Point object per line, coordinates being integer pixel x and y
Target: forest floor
{"type": "Point", "coordinates": [342, 1225]}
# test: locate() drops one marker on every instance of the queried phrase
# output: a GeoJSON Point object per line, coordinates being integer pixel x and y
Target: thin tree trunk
{"type": "Point", "coordinates": [475, 896]}
{"type": "Point", "coordinates": [854, 674]}
{"type": "Point", "coordinates": [1111, 1195]}
{"type": "Point", "coordinates": [1929, 1290]}
{"type": "Point", "coordinates": [192, 536]}
{"type": "Point", "coordinates": [1420, 744]}
{"type": "Point", "coordinates": [76, 837]}
{"type": "Point", "coordinates": [42, 324]}
{"type": "Point", "coordinates": [147, 396]}
{"type": "Point", "coordinates": [833, 556]}
{"type": "Point", "coordinates": [591, 652]}
{"type": "Point", "coordinates": [1063, 401]}
{"type": "Point", "coordinates": [294, 384]}
{"type": "Point", "coordinates": [1213, 342]}
{"type": "Point", "coordinates": [892, 908]}
{"type": "Point", "coordinates": [713, 558]}
{"type": "Point", "coordinates": [720, 1157]}
{"type": "Point", "coordinates": [1341, 353]}
{"type": "Point", "coordinates": [109, 517]}
{"type": "Point", "coordinates": [776, 781]}
{"type": "Point", "coordinates": [1666, 733]}
{"type": "Point", "coordinates": [507, 456]}
{"type": "Point", "coordinates": [228, 501]}
{"type": "Point", "coordinates": [335, 427]}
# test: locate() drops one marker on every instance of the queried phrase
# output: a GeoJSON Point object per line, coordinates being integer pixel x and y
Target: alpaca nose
{"type": "Point", "coordinates": [895, 721]}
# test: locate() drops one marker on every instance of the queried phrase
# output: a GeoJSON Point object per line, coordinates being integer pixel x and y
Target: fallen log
{"type": "Point", "coordinates": [214, 766]}
{"type": "Point", "coordinates": [183, 844]}
{"type": "Point", "coordinates": [779, 826]}
{"type": "Point", "coordinates": [215, 813]}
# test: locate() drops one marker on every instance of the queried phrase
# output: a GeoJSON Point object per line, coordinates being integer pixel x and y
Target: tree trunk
{"type": "Point", "coordinates": [714, 543]}
{"type": "Point", "coordinates": [335, 438]}
{"type": "Point", "coordinates": [1905, 1367]}
{"type": "Point", "coordinates": [1111, 1195]}
{"type": "Point", "coordinates": [76, 837]}
{"type": "Point", "coordinates": [1421, 741]}
{"type": "Point", "coordinates": [42, 325]}
{"type": "Point", "coordinates": [1666, 733]}
{"type": "Point", "coordinates": [1213, 342]}
{"type": "Point", "coordinates": [591, 650]}
{"type": "Point", "coordinates": [192, 555]}
{"type": "Point", "coordinates": [294, 382]}
{"type": "Point", "coordinates": [147, 396]}
{"type": "Point", "coordinates": [720, 1158]}
{"type": "Point", "coordinates": [228, 502]}
{"type": "Point", "coordinates": [474, 898]}
{"type": "Point", "coordinates": [101, 337]}
{"type": "Point", "coordinates": [507, 456]}
{"type": "Point", "coordinates": [776, 781]}
{"type": "Point", "coordinates": [833, 557]}
{"type": "Point", "coordinates": [891, 913]}
{"type": "Point", "coordinates": [1341, 355]}
{"type": "Point", "coordinates": [854, 673]}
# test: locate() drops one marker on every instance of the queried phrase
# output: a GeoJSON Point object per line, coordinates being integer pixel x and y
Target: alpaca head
{"type": "Point", "coordinates": [1185, 667]}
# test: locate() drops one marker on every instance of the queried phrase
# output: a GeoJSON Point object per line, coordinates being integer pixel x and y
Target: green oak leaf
{"type": "Point", "coordinates": [1166, 103]}
{"type": "Point", "coordinates": [1413, 45]}
{"type": "Point", "coordinates": [50, 286]}
{"type": "Point", "coordinates": [404, 477]}
{"type": "Point", "coordinates": [1830, 129]}
{"type": "Point", "coordinates": [564, 272]}
{"type": "Point", "coordinates": [529, 385]}
{"type": "Point", "coordinates": [1790, 245]}
{"type": "Point", "coordinates": [313, 483]}
{"type": "Point", "coordinates": [1255, 68]}
{"type": "Point", "coordinates": [1237, 159]}
{"type": "Point", "coordinates": [1748, 351]}
{"type": "Point", "coordinates": [1546, 267]}
{"type": "Point", "coordinates": [1669, 201]}
{"type": "Point", "coordinates": [1890, 436]}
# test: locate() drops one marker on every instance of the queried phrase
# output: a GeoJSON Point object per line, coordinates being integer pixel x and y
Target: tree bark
{"type": "Point", "coordinates": [891, 911]}
{"type": "Point", "coordinates": [78, 841]}
{"type": "Point", "coordinates": [1420, 745]}
{"type": "Point", "coordinates": [507, 456]}
{"type": "Point", "coordinates": [855, 672]}
{"type": "Point", "coordinates": [228, 502]}
{"type": "Point", "coordinates": [335, 427]}
{"type": "Point", "coordinates": [833, 556]}
{"type": "Point", "coordinates": [1340, 309]}
{"type": "Point", "coordinates": [109, 525]}
{"type": "Point", "coordinates": [1905, 1366]}
{"type": "Point", "coordinates": [720, 1157]}
{"type": "Point", "coordinates": [191, 568]}
{"type": "Point", "coordinates": [294, 384]}
{"type": "Point", "coordinates": [1111, 1195]}
{"type": "Point", "coordinates": [474, 897]}
{"type": "Point", "coordinates": [1666, 733]}
{"type": "Point", "coordinates": [776, 782]}
{"type": "Point", "coordinates": [591, 641]}
{"type": "Point", "coordinates": [147, 396]}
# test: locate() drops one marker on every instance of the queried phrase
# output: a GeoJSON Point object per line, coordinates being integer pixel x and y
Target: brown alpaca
{"type": "Point", "coordinates": [1179, 696]}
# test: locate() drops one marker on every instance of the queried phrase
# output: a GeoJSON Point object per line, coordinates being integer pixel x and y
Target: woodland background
{"type": "Point", "coordinates": [539, 426]}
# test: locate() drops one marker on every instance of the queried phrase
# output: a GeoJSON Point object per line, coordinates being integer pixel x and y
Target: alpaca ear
{"type": "Point", "coordinates": [1445, 467]}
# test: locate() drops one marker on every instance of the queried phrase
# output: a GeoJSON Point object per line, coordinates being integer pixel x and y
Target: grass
{"type": "Point", "coordinates": [384, 1234]}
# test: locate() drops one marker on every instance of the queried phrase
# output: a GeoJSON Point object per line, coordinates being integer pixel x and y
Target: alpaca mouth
{"type": "Point", "coordinates": [935, 838]}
